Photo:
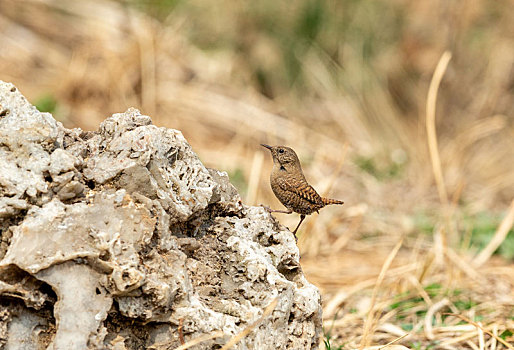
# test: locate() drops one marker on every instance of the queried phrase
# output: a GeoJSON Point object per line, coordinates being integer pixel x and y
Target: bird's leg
{"type": "Point", "coordinates": [302, 216]}
{"type": "Point", "coordinates": [269, 210]}
{"type": "Point", "coordinates": [288, 211]}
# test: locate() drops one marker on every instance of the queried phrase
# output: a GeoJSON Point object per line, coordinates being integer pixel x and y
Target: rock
{"type": "Point", "coordinates": [122, 239]}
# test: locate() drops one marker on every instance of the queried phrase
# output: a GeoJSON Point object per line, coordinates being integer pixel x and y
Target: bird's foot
{"type": "Point", "coordinates": [268, 209]}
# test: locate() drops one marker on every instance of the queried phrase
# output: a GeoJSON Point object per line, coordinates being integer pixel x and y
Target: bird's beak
{"type": "Point", "coordinates": [267, 146]}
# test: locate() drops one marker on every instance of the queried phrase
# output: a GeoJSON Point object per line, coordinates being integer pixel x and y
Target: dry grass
{"type": "Point", "coordinates": [358, 125]}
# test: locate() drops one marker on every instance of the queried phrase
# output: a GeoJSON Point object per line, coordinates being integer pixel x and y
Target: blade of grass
{"type": "Point", "coordinates": [495, 334]}
{"type": "Point", "coordinates": [255, 175]}
{"type": "Point", "coordinates": [481, 340]}
{"type": "Point", "coordinates": [430, 314]}
{"type": "Point", "coordinates": [478, 326]}
{"type": "Point", "coordinates": [237, 338]}
{"type": "Point", "coordinates": [393, 341]}
{"type": "Point", "coordinates": [200, 339]}
{"type": "Point", "coordinates": [498, 238]}
{"type": "Point", "coordinates": [368, 324]}
{"type": "Point", "coordinates": [430, 125]}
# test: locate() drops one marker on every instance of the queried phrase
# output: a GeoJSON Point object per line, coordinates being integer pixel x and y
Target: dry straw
{"type": "Point", "coordinates": [100, 57]}
{"type": "Point", "coordinates": [200, 339]}
{"type": "Point", "coordinates": [370, 318]}
{"type": "Point", "coordinates": [238, 337]}
{"type": "Point", "coordinates": [498, 238]}
{"type": "Point", "coordinates": [431, 129]}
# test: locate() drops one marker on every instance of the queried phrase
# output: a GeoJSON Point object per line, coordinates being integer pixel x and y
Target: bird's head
{"type": "Point", "coordinates": [283, 156]}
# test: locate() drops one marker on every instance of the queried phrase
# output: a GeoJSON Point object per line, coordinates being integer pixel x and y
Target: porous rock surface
{"type": "Point", "coordinates": [122, 239]}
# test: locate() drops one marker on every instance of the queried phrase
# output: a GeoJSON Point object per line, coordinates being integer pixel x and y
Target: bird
{"type": "Point", "coordinates": [290, 186]}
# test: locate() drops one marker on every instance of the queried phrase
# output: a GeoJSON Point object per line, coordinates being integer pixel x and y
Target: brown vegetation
{"type": "Point", "coordinates": [399, 259]}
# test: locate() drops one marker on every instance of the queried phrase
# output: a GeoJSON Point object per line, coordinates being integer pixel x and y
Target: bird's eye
{"type": "Point", "coordinates": [281, 151]}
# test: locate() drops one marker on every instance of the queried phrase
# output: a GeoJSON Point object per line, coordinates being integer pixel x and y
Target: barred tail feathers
{"type": "Point", "coordinates": [328, 201]}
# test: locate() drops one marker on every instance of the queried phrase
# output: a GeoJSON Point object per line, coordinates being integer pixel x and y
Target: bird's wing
{"type": "Point", "coordinates": [301, 189]}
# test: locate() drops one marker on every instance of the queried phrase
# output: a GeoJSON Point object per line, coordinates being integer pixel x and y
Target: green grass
{"type": "Point", "coordinates": [406, 303]}
{"type": "Point", "coordinates": [420, 346]}
{"type": "Point", "coordinates": [328, 345]}
{"type": "Point", "coordinates": [506, 333]}
{"type": "Point", "coordinates": [46, 103]}
{"type": "Point", "coordinates": [464, 304]}
{"type": "Point", "coordinates": [237, 178]}
{"type": "Point", "coordinates": [365, 29]}
{"type": "Point", "coordinates": [425, 222]}
{"type": "Point", "coordinates": [388, 171]}
{"type": "Point", "coordinates": [159, 9]}
{"type": "Point", "coordinates": [482, 227]}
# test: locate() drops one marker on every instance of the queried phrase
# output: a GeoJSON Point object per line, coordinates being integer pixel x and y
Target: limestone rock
{"type": "Point", "coordinates": [122, 239]}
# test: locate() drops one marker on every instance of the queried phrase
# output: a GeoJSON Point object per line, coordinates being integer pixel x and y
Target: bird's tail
{"type": "Point", "coordinates": [328, 201]}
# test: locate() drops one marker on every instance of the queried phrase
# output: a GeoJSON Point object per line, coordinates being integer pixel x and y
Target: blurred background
{"type": "Point", "coordinates": [345, 84]}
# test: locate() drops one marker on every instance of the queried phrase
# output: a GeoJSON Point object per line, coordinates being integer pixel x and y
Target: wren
{"type": "Point", "coordinates": [290, 186]}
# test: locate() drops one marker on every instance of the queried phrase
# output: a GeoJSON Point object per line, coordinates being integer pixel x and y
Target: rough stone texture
{"type": "Point", "coordinates": [113, 239]}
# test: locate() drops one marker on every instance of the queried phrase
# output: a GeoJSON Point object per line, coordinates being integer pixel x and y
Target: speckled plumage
{"type": "Point", "coordinates": [290, 186]}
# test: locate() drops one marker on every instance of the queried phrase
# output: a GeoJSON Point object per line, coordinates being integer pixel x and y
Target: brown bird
{"type": "Point", "coordinates": [290, 186]}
